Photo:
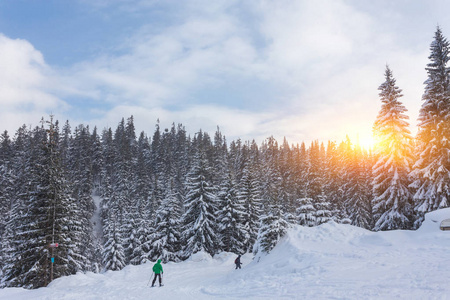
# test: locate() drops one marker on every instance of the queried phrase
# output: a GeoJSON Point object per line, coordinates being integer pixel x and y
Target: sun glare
{"type": "Point", "coordinates": [367, 143]}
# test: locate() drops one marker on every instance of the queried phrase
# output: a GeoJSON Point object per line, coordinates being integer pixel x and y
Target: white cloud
{"type": "Point", "coordinates": [25, 82]}
{"type": "Point", "coordinates": [165, 68]}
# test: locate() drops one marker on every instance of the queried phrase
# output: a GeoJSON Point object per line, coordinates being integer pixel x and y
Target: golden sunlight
{"type": "Point", "coordinates": [367, 143]}
{"type": "Point", "coordinates": [364, 139]}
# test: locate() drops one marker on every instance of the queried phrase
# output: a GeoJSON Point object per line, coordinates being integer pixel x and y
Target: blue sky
{"type": "Point", "coordinates": [301, 69]}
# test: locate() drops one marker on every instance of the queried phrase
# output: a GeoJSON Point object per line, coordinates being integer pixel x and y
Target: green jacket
{"type": "Point", "coordinates": [157, 268]}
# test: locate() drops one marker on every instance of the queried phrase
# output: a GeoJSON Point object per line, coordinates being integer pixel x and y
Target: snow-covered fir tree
{"type": "Point", "coordinates": [357, 188]}
{"type": "Point", "coordinates": [323, 210]}
{"type": "Point", "coordinates": [432, 169]}
{"type": "Point", "coordinates": [79, 165]}
{"type": "Point", "coordinates": [166, 243]}
{"type": "Point", "coordinates": [6, 190]}
{"type": "Point", "coordinates": [392, 198]}
{"type": "Point", "coordinates": [306, 212]}
{"type": "Point", "coordinates": [199, 226]}
{"type": "Point", "coordinates": [142, 194]}
{"type": "Point", "coordinates": [113, 253]}
{"type": "Point", "coordinates": [334, 180]}
{"type": "Point", "coordinates": [46, 214]}
{"type": "Point", "coordinates": [250, 196]}
{"type": "Point", "coordinates": [314, 178]}
{"type": "Point", "coordinates": [230, 218]}
{"type": "Point", "coordinates": [273, 227]}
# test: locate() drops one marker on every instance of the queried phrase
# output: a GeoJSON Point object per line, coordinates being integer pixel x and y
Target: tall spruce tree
{"type": "Point", "coordinates": [432, 169]}
{"type": "Point", "coordinates": [392, 198]}
{"type": "Point", "coordinates": [199, 226]}
{"type": "Point", "coordinates": [79, 162]}
{"type": "Point", "coordinates": [166, 242]}
{"type": "Point", "coordinates": [335, 179]}
{"type": "Point", "coordinates": [46, 215]}
{"type": "Point", "coordinates": [143, 193]}
{"type": "Point", "coordinates": [357, 192]}
{"type": "Point", "coordinates": [250, 196]}
{"type": "Point", "coordinates": [113, 253]}
{"type": "Point", "coordinates": [231, 217]}
{"type": "Point", "coordinates": [6, 191]}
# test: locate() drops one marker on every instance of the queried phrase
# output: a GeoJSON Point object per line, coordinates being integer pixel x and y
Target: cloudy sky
{"type": "Point", "coordinates": [303, 70]}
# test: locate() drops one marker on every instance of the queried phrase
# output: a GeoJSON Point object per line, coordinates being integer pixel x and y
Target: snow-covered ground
{"type": "Point", "coordinates": [327, 262]}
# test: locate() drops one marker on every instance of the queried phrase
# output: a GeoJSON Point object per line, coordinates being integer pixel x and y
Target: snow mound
{"type": "Point", "coordinates": [200, 256]}
{"type": "Point", "coordinates": [346, 262]}
{"type": "Point", "coordinates": [225, 257]}
{"type": "Point", "coordinates": [433, 220]}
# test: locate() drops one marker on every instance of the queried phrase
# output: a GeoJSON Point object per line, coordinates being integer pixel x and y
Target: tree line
{"type": "Point", "coordinates": [112, 198]}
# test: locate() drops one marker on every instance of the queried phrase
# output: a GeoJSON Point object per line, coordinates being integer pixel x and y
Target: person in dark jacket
{"type": "Point", "coordinates": [238, 262]}
{"type": "Point", "coordinates": [158, 270]}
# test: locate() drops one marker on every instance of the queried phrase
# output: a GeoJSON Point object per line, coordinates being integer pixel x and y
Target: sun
{"type": "Point", "coordinates": [367, 143]}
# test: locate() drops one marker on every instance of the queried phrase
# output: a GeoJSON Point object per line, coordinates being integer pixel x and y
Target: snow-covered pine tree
{"type": "Point", "coordinates": [70, 229]}
{"type": "Point", "coordinates": [65, 142]}
{"type": "Point", "coordinates": [287, 191]}
{"type": "Point", "coordinates": [127, 184]}
{"type": "Point", "coordinates": [392, 197]}
{"type": "Point", "coordinates": [10, 239]}
{"type": "Point", "coordinates": [120, 200]}
{"type": "Point", "coordinates": [166, 243]}
{"type": "Point", "coordinates": [143, 194]}
{"type": "Point", "coordinates": [314, 178]}
{"type": "Point", "coordinates": [157, 152]}
{"type": "Point", "coordinates": [273, 227]}
{"type": "Point", "coordinates": [334, 173]}
{"type": "Point", "coordinates": [250, 196]}
{"type": "Point", "coordinates": [96, 169]}
{"type": "Point", "coordinates": [113, 256]}
{"type": "Point", "coordinates": [6, 190]}
{"type": "Point", "coordinates": [315, 183]}
{"type": "Point", "coordinates": [182, 160]}
{"type": "Point", "coordinates": [45, 215]}
{"type": "Point", "coordinates": [79, 162]}
{"type": "Point", "coordinates": [356, 191]}
{"type": "Point", "coordinates": [306, 212]}
{"type": "Point", "coordinates": [300, 171]}
{"type": "Point", "coordinates": [219, 158]}
{"type": "Point", "coordinates": [235, 158]}
{"type": "Point", "coordinates": [270, 180]}
{"type": "Point", "coordinates": [199, 223]}
{"type": "Point", "coordinates": [97, 160]}
{"type": "Point", "coordinates": [113, 253]}
{"type": "Point", "coordinates": [230, 218]}
{"type": "Point", "coordinates": [323, 212]}
{"type": "Point", "coordinates": [432, 169]}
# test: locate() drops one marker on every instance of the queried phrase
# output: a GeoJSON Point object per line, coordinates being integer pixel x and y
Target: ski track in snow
{"type": "Point", "coordinates": [330, 261]}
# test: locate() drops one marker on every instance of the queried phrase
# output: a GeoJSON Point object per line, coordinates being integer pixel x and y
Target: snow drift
{"type": "Point", "coordinates": [331, 261]}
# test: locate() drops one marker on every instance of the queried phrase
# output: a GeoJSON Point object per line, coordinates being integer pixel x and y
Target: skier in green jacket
{"type": "Point", "coordinates": [158, 270]}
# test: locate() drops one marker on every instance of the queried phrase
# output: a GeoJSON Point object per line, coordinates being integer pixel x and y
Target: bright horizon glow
{"type": "Point", "coordinates": [367, 143]}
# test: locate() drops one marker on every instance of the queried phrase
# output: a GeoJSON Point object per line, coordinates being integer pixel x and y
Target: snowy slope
{"type": "Point", "coordinates": [327, 262]}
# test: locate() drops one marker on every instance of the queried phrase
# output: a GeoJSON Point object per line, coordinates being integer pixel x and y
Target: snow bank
{"type": "Point", "coordinates": [200, 256]}
{"type": "Point", "coordinates": [331, 261]}
{"type": "Point", "coordinates": [433, 220]}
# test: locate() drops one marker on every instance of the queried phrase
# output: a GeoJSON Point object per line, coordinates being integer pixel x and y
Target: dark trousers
{"type": "Point", "coordinates": [238, 266]}
{"type": "Point", "coordinates": [154, 279]}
